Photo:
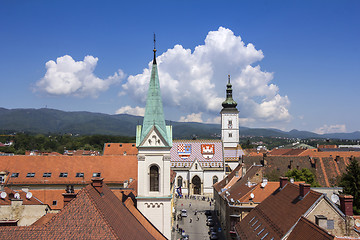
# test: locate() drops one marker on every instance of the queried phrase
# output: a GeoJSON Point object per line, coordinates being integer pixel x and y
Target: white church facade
{"type": "Point", "coordinates": [201, 163]}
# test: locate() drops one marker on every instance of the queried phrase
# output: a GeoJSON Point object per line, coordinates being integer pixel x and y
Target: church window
{"type": "Point", "coordinates": [230, 135]}
{"type": "Point", "coordinates": [179, 183]}
{"type": "Point", "coordinates": [215, 179]}
{"type": "Point", "coordinates": [154, 178]}
{"type": "Point", "coordinates": [196, 167]}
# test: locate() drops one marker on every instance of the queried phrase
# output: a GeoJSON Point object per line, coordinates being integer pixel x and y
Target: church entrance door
{"type": "Point", "coordinates": [196, 185]}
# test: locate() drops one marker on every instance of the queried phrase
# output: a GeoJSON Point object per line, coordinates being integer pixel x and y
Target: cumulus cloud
{"type": "Point", "coordinates": [137, 111]}
{"type": "Point", "coordinates": [337, 128]}
{"type": "Point", "coordinates": [195, 81]}
{"type": "Point", "coordinates": [65, 76]}
{"type": "Point", "coordinates": [194, 117]}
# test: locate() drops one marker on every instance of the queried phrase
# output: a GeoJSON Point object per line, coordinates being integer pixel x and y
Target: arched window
{"type": "Point", "coordinates": [215, 179]}
{"type": "Point", "coordinates": [154, 178]}
{"type": "Point", "coordinates": [179, 181]}
{"type": "Point", "coordinates": [196, 166]}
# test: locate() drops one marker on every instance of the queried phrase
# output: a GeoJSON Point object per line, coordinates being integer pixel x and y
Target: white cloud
{"type": "Point", "coordinates": [196, 81]}
{"type": "Point", "coordinates": [137, 111]}
{"type": "Point", "coordinates": [194, 117]}
{"type": "Point", "coordinates": [69, 77]}
{"type": "Point", "coordinates": [338, 128]}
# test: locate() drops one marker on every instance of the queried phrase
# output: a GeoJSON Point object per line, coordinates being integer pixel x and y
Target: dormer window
{"type": "Point", "coordinates": [96, 174]}
{"type": "Point", "coordinates": [30, 175]}
{"type": "Point", "coordinates": [47, 174]}
{"type": "Point", "coordinates": [63, 174]}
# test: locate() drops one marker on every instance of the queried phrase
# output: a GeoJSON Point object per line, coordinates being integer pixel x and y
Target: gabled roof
{"type": "Point", "coordinates": [276, 214]}
{"type": "Point", "coordinates": [305, 229]}
{"type": "Point", "coordinates": [221, 184]}
{"type": "Point", "coordinates": [10, 194]}
{"type": "Point", "coordinates": [90, 215]}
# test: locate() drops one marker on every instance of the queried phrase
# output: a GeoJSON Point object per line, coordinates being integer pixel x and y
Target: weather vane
{"type": "Point", "coordinates": [154, 42]}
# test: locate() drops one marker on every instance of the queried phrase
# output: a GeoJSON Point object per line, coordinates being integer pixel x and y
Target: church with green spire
{"type": "Point", "coordinates": [154, 141]}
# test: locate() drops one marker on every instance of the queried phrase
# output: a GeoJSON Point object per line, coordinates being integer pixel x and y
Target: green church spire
{"type": "Point", "coordinates": [229, 102]}
{"type": "Point", "coordinates": [154, 115]}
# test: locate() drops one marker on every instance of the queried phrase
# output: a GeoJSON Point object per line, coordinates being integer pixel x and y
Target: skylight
{"type": "Point", "coordinates": [30, 175]}
{"type": "Point", "coordinates": [96, 174]}
{"type": "Point", "coordinates": [16, 174]}
{"type": "Point", "coordinates": [47, 174]}
{"type": "Point", "coordinates": [63, 174]}
{"type": "Point", "coordinates": [79, 174]}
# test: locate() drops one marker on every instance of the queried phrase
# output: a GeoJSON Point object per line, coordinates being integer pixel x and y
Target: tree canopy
{"type": "Point", "coordinates": [350, 181]}
{"type": "Point", "coordinates": [303, 175]}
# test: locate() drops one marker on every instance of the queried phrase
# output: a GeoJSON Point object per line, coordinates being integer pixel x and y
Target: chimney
{"type": "Point", "coordinates": [69, 195]}
{"type": "Point", "coordinates": [243, 170]}
{"type": "Point", "coordinates": [97, 183]}
{"type": "Point", "coordinates": [346, 204]}
{"type": "Point", "coordinates": [283, 182]}
{"type": "Point", "coordinates": [304, 189]}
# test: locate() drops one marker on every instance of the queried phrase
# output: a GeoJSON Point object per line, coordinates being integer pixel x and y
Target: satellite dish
{"type": "Point", "coordinates": [29, 195]}
{"type": "Point", "coordinates": [357, 222]}
{"type": "Point", "coordinates": [252, 195]}
{"type": "Point", "coordinates": [265, 181]}
{"type": "Point", "coordinates": [263, 184]}
{"type": "Point", "coordinates": [334, 198]}
{"type": "Point", "coordinates": [292, 180]}
{"type": "Point", "coordinates": [17, 196]}
{"type": "Point", "coordinates": [3, 195]}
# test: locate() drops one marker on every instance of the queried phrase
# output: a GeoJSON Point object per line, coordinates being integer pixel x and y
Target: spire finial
{"type": "Point", "coordinates": [154, 61]}
{"type": "Point", "coordinates": [229, 78]}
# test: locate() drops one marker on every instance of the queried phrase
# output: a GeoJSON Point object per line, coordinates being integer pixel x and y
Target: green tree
{"type": "Point", "coordinates": [303, 175]}
{"type": "Point", "coordinates": [350, 181]}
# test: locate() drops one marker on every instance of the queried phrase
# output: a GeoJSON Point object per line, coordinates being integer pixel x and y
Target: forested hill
{"type": "Point", "coordinates": [46, 121]}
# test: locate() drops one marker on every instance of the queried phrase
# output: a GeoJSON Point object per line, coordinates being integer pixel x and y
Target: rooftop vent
{"type": "Point", "coordinates": [29, 195]}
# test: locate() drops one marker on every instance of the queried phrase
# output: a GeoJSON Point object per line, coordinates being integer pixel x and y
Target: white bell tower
{"type": "Point", "coordinates": [229, 120]}
{"type": "Point", "coordinates": [154, 141]}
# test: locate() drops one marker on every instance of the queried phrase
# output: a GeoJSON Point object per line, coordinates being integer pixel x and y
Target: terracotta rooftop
{"type": "Point", "coordinates": [90, 215]}
{"type": "Point", "coordinates": [10, 194]}
{"type": "Point", "coordinates": [305, 229]}
{"type": "Point", "coordinates": [120, 149]}
{"type": "Point", "coordinates": [275, 216]}
{"type": "Point", "coordinates": [65, 169]}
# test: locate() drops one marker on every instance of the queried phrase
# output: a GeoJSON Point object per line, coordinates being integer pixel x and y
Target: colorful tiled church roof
{"type": "Point", "coordinates": [209, 153]}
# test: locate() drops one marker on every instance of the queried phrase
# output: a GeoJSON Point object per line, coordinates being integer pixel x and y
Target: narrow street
{"type": "Point", "coordinates": [194, 225]}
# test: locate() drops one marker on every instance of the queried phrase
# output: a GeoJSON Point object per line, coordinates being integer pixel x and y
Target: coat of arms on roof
{"type": "Point", "coordinates": [208, 150]}
{"type": "Point", "coordinates": [184, 151]}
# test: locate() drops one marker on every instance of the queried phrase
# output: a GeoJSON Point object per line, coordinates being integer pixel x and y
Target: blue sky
{"type": "Point", "coordinates": [293, 64]}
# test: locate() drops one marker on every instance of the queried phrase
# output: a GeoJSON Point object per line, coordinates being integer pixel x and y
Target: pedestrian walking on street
{"type": "Point", "coordinates": [190, 220]}
{"type": "Point", "coordinates": [177, 226]}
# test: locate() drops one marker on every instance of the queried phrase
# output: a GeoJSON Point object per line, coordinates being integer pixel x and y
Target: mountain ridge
{"type": "Point", "coordinates": [46, 120]}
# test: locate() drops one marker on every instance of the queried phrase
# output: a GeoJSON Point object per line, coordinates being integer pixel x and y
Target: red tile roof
{"type": "Point", "coordinates": [305, 229]}
{"type": "Point", "coordinates": [120, 149]}
{"type": "Point", "coordinates": [125, 166]}
{"type": "Point", "coordinates": [276, 214]}
{"type": "Point", "coordinates": [26, 201]}
{"type": "Point", "coordinates": [89, 216]}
